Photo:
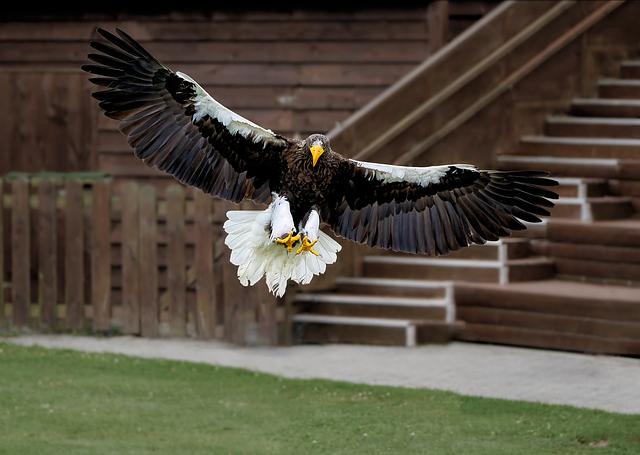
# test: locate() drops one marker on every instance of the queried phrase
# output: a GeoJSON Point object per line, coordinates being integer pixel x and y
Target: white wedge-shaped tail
{"type": "Point", "coordinates": [251, 235]}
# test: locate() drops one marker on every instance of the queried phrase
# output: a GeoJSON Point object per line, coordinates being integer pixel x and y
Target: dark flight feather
{"type": "Point", "coordinates": [156, 109]}
{"type": "Point", "coordinates": [463, 207]}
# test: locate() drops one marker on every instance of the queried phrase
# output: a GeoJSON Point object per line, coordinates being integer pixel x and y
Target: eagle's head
{"type": "Point", "coordinates": [317, 144]}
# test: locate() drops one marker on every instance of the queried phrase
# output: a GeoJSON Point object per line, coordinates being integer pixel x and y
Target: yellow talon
{"type": "Point", "coordinates": [307, 245]}
{"type": "Point", "coordinates": [289, 241]}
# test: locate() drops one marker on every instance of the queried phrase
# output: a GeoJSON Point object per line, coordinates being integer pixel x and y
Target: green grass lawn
{"type": "Point", "coordinates": [55, 401]}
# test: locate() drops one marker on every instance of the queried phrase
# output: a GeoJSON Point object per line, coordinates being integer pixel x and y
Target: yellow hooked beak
{"type": "Point", "coordinates": [316, 153]}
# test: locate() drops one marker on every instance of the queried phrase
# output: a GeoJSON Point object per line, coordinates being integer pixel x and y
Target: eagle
{"type": "Point", "coordinates": [173, 124]}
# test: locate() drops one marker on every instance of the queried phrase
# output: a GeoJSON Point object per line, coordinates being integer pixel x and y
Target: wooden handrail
{"type": "Point", "coordinates": [490, 41]}
{"type": "Point", "coordinates": [411, 77]}
{"type": "Point", "coordinates": [464, 79]}
{"type": "Point", "coordinates": [510, 81]}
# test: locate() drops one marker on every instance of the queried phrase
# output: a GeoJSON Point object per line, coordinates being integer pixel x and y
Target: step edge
{"type": "Point", "coordinates": [356, 299]}
{"type": "Point", "coordinates": [580, 140]}
{"type": "Point", "coordinates": [571, 119]}
{"type": "Point", "coordinates": [392, 282]}
{"type": "Point", "coordinates": [442, 262]}
{"type": "Point", "coordinates": [353, 320]}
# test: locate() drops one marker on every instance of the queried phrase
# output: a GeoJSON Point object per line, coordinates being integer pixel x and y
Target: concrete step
{"type": "Point", "coordinates": [394, 287]}
{"type": "Point", "coordinates": [579, 147]}
{"type": "Point", "coordinates": [369, 306]}
{"type": "Point", "coordinates": [605, 107]}
{"type": "Point", "coordinates": [571, 166]}
{"type": "Point", "coordinates": [534, 268]}
{"type": "Point", "coordinates": [314, 328]}
{"type": "Point", "coordinates": [589, 209]}
{"type": "Point", "coordinates": [619, 88]}
{"type": "Point", "coordinates": [571, 126]}
{"type": "Point", "coordinates": [630, 69]}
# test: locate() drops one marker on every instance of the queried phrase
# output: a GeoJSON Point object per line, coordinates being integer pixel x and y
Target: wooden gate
{"type": "Point", "coordinates": [84, 253]}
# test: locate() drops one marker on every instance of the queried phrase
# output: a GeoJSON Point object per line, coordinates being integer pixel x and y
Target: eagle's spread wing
{"type": "Point", "coordinates": [173, 124]}
{"type": "Point", "coordinates": [433, 210]}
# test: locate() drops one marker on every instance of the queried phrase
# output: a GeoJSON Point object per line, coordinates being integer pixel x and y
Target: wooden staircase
{"type": "Point", "coordinates": [593, 236]}
{"type": "Point", "coordinates": [571, 282]}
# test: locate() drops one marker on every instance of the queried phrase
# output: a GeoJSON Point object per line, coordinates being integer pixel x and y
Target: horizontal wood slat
{"type": "Point", "coordinates": [229, 30]}
{"type": "Point", "coordinates": [295, 71]}
{"type": "Point", "coordinates": [218, 52]}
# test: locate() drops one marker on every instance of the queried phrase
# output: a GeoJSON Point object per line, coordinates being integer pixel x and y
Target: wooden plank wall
{"type": "Point", "coordinates": [491, 78]}
{"type": "Point", "coordinates": [294, 71]}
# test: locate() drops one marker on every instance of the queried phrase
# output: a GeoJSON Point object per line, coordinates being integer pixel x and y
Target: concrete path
{"type": "Point", "coordinates": [600, 382]}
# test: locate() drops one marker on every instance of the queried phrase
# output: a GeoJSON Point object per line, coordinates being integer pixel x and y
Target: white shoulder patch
{"type": "Point", "coordinates": [423, 176]}
{"type": "Point", "coordinates": [206, 105]}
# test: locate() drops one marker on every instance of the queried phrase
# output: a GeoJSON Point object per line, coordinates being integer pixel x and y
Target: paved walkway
{"type": "Point", "coordinates": [600, 382]}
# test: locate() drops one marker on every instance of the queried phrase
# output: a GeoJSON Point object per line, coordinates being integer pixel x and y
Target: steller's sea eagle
{"type": "Point", "coordinates": [174, 125]}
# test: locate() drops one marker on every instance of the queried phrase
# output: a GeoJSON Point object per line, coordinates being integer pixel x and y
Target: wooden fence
{"type": "Point", "coordinates": [90, 254]}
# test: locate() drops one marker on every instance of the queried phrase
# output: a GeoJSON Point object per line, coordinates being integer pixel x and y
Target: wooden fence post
{"type": "Point", "coordinates": [438, 24]}
{"type": "Point", "coordinates": [21, 254]}
{"type": "Point", "coordinates": [101, 256]}
{"type": "Point", "coordinates": [148, 262]}
{"type": "Point", "coordinates": [2, 276]}
{"type": "Point", "coordinates": [204, 252]}
{"type": "Point", "coordinates": [130, 258]}
{"type": "Point", "coordinates": [176, 266]}
{"type": "Point", "coordinates": [47, 253]}
{"type": "Point", "coordinates": [74, 255]}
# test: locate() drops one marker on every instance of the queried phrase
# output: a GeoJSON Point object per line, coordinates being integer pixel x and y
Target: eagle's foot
{"type": "Point", "coordinates": [288, 241]}
{"type": "Point", "coordinates": [307, 245]}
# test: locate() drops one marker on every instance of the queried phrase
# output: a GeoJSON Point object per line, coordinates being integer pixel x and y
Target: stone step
{"type": "Point", "coordinates": [534, 268]}
{"type": "Point", "coordinates": [619, 88]}
{"type": "Point", "coordinates": [315, 328]}
{"type": "Point", "coordinates": [369, 306]}
{"type": "Point", "coordinates": [393, 287]}
{"type": "Point", "coordinates": [605, 107]}
{"type": "Point", "coordinates": [579, 147]}
{"type": "Point", "coordinates": [571, 126]}
{"type": "Point", "coordinates": [571, 166]}
{"type": "Point", "coordinates": [630, 69]}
